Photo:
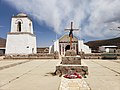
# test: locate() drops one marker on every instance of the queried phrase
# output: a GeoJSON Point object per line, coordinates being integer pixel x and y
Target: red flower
{"type": "Point", "coordinates": [72, 76]}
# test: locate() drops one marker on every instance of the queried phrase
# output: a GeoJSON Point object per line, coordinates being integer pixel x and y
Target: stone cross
{"type": "Point", "coordinates": [71, 34]}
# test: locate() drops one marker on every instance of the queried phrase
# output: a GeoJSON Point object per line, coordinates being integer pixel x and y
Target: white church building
{"type": "Point", "coordinates": [21, 39]}
{"type": "Point", "coordinates": [63, 44]}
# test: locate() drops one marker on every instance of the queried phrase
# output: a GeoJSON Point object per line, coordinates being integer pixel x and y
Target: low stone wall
{"type": "Point", "coordinates": [92, 56]}
{"type": "Point", "coordinates": [96, 56]}
{"type": "Point", "coordinates": [118, 56]}
{"type": "Point", "coordinates": [71, 60]}
{"type": "Point", "coordinates": [31, 56]}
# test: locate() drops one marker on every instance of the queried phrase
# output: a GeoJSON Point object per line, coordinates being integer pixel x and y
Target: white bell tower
{"type": "Point", "coordinates": [21, 39]}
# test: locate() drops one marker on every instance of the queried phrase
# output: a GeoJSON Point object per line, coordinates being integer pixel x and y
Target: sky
{"type": "Point", "coordinates": [96, 19]}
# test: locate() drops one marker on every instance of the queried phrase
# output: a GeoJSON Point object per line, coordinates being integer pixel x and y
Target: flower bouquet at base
{"type": "Point", "coordinates": [72, 75]}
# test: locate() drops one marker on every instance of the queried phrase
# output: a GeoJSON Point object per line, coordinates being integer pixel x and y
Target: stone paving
{"type": "Point", "coordinates": [37, 75]}
{"type": "Point", "coordinates": [34, 75]}
{"type": "Point", "coordinates": [1, 57]}
{"type": "Point", "coordinates": [73, 84]}
{"type": "Point", "coordinates": [10, 63]}
{"type": "Point", "coordinates": [103, 74]}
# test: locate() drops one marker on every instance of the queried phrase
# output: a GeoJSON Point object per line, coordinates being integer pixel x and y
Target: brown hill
{"type": "Point", "coordinates": [95, 44]}
{"type": "Point", "coordinates": [2, 42]}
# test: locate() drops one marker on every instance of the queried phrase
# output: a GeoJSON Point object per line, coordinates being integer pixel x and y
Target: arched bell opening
{"type": "Point", "coordinates": [19, 27]}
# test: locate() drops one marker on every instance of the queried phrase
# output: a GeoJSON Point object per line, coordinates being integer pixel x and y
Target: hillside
{"type": "Point", "coordinates": [2, 42]}
{"type": "Point", "coordinates": [95, 44]}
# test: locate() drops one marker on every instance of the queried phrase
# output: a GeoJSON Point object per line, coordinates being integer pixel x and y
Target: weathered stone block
{"type": "Point", "coordinates": [71, 60]}
{"type": "Point", "coordinates": [81, 69]}
{"type": "Point", "coordinates": [70, 53]}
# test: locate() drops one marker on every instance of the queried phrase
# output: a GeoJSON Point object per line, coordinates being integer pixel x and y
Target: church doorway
{"type": "Point", "coordinates": [67, 47]}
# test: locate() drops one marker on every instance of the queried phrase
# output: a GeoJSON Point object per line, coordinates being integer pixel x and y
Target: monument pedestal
{"type": "Point", "coordinates": [82, 68]}
{"type": "Point", "coordinates": [73, 63]}
{"type": "Point", "coordinates": [71, 60]}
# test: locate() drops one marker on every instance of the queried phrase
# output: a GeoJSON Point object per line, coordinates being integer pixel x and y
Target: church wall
{"type": "Point", "coordinates": [21, 39]}
{"type": "Point", "coordinates": [64, 44]}
{"type": "Point", "coordinates": [66, 38]}
{"type": "Point", "coordinates": [82, 47]}
{"type": "Point", "coordinates": [61, 45]}
{"type": "Point", "coordinates": [20, 44]}
{"type": "Point", "coordinates": [56, 45]}
{"type": "Point", "coordinates": [32, 43]}
{"type": "Point", "coordinates": [86, 49]}
{"type": "Point", "coordinates": [51, 49]}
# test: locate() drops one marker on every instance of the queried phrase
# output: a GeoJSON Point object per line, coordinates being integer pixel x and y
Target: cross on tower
{"type": "Point", "coordinates": [71, 34]}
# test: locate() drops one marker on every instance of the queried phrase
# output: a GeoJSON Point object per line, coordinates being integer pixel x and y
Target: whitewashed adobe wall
{"type": "Point", "coordinates": [21, 41]}
{"type": "Point", "coordinates": [50, 49]}
{"type": "Point", "coordinates": [56, 45]}
{"type": "Point", "coordinates": [25, 25]}
{"type": "Point", "coordinates": [83, 47]}
{"type": "Point", "coordinates": [20, 44]}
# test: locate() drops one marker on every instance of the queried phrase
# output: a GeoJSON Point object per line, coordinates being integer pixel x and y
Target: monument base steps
{"type": "Point", "coordinates": [81, 69]}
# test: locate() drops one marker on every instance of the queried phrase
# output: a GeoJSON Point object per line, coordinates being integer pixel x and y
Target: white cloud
{"type": "Point", "coordinates": [94, 17]}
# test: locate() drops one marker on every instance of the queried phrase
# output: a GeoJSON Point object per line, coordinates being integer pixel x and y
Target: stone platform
{"type": "Point", "coordinates": [64, 68]}
{"type": "Point", "coordinates": [73, 84]}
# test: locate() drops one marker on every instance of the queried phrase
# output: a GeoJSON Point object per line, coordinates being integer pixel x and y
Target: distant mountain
{"type": "Point", "coordinates": [2, 42]}
{"type": "Point", "coordinates": [95, 44]}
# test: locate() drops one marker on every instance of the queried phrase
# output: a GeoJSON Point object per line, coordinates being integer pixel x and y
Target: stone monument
{"type": "Point", "coordinates": [71, 61]}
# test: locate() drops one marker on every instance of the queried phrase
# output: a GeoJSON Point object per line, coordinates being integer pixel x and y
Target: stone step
{"type": "Point", "coordinates": [81, 69]}
{"type": "Point", "coordinates": [71, 60]}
